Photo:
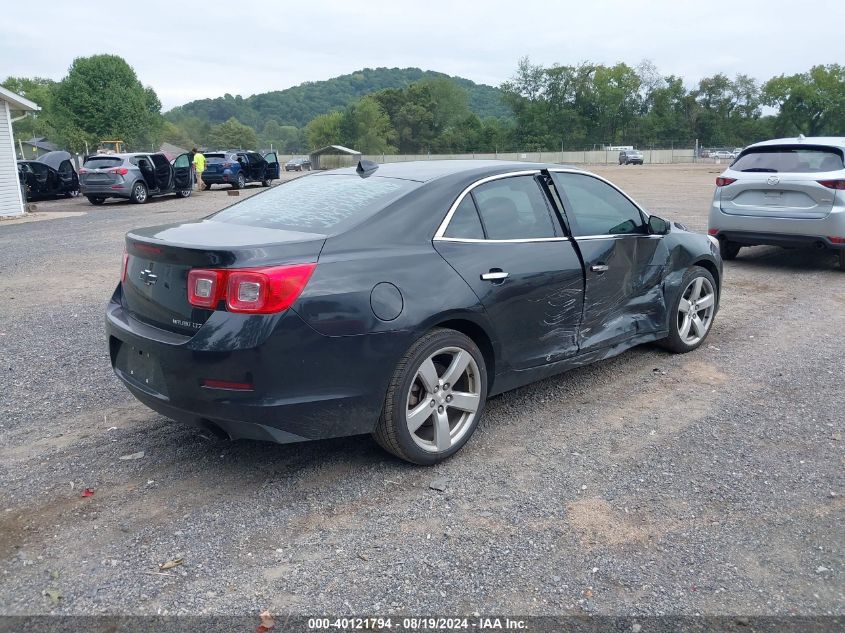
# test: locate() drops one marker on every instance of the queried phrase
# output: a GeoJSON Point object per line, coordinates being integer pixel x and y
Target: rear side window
{"type": "Point", "coordinates": [789, 159]}
{"type": "Point", "coordinates": [317, 204]}
{"type": "Point", "coordinates": [465, 223]}
{"type": "Point", "coordinates": [596, 207]}
{"type": "Point", "coordinates": [103, 162]}
{"type": "Point", "coordinates": [513, 208]}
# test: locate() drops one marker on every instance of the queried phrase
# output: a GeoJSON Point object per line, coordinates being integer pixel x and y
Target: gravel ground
{"type": "Point", "coordinates": [708, 483]}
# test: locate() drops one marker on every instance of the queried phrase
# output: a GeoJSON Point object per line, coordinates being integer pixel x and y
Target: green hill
{"type": "Point", "coordinates": [299, 104]}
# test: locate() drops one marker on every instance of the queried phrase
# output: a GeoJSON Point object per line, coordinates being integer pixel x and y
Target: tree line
{"type": "Point", "coordinates": [541, 108]}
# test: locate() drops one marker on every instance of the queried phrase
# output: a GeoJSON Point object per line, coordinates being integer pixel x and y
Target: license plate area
{"type": "Point", "coordinates": [141, 368]}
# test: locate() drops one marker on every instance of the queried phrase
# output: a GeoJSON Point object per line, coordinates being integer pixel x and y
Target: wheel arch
{"type": "Point", "coordinates": [479, 335]}
{"type": "Point", "coordinates": [710, 267]}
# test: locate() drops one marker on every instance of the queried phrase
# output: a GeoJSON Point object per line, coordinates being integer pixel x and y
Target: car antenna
{"type": "Point", "coordinates": [366, 168]}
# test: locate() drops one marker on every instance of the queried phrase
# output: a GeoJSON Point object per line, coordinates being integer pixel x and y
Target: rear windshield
{"type": "Point", "coordinates": [213, 159]}
{"type": "Point", "coordinates": [103, 162]}
{"type": "Point", "coordinates": [800, 160]}
{"type": "Point", "coordinates": [317, 204]}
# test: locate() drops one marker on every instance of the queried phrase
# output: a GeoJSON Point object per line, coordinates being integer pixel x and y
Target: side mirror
{"type": "Point", "coordinates": [658, 226]}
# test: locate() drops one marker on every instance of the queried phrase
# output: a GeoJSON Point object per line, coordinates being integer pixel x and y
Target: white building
{"type": "Point", "coordinates": [11, 200]}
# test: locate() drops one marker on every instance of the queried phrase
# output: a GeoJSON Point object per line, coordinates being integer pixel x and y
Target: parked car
{"type": "Point", "coordinates": [721, 154]}
{"type": "Point", "coordinates": [786, 192]}
{"type": "Point", "coordinates": [49, 176]}
{"type": "Point", "coordinates": [136, 177]}
{"type": "Point", "coordinates": [394, 300]}
{"type": "Point", "coordinates": [237, 168]}
{"type": "Point", "coordinates": [736, 152]}
{"type": "Point", "coordinates": [630, 157]}
{"type": "Point", "coordinates": [298, 164]}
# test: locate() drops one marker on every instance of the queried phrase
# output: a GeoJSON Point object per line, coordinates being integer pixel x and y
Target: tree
{"type": "Point", "coordinates": [232, 135]}
{"type": "Point", "coordinates": [324, 130]}
{"type": "Point", "coordinates": [101, 97]}
{"type": "Point", "coordinates": [366, 128]}
{"type": "Point", "coordinates": [811, 103]}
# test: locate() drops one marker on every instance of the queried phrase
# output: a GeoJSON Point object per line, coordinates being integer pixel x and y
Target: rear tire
{"type": "Point", "coordinates": [96, 200]}
{"type": "Point", "coordinates": [841, 259]}
{"type": "Point", "coordinates": [139, 193]}
{"type": "Point", "coordinates": [729, 250]}
{"type": "Point", "coordinates": [692, 311]}
{"type": "Point", "coordinates": [444, 414]}
{"type": "Point", "coordinates": [240, 183]}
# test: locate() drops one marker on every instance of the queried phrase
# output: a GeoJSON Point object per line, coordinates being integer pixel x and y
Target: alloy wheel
{"type": "Point", "coordinates": [695, 310]}
{"type": "Point", "coordinates": [140, 192]}
{"type": "Point", "coordinates": [443, 399]}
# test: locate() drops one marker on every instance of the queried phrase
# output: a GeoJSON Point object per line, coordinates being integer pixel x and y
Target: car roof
{"type": "Point", "coordinates": [832, 141]}
{"type": "Point", "coordinates": [426, 170]}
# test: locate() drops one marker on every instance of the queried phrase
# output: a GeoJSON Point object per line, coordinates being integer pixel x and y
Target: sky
{"type": "Point", "coordinates": [194, 50]}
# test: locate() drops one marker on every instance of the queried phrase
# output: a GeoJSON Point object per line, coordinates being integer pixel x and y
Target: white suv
{"type": "Point", "coordinates": [785, 192]}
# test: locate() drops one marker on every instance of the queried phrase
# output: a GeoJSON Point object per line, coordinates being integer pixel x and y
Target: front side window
{"type": "Point", "coordinates": [596, 208]}
{"type": "Point", "coordinates": [513, 208]}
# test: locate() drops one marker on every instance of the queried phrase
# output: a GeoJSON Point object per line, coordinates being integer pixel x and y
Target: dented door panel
{"type": "Point", "coordinates": [623, 295]}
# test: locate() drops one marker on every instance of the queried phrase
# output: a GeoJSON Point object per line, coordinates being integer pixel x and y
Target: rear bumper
{"type": "Point", "coordinates": [790, 232]}
{"type": "Point", "coordinates": [218, 179]}
{"type": "Point", "coordinates": [107, 190]}
{"type": "Point", "coordinates": [748, 238]}
{"type": "Point", "coordinates": [306, 385]}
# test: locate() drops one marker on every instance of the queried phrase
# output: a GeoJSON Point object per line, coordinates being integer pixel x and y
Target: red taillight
{"type": "Point", "coordinates": [833, 184]}
{"type": "Point", "coordinates": [723, 182]}
{"type": "Point", "coordinates": [250, 290]}
{"type": "Point", "coordinates": [206, 287]}
{"type": "Point", "coordinates": [125, 265]}
{"type": "Point", "coordinates": [119, 170]}
{"type": "Point", "coordinates": [837, 240]}
{"type": "Point", "coordinates": [712, 231]}
{"type": "Point", "coordinates": [210, 383]}
{"type": "Point", "coordinates": [227, 165]}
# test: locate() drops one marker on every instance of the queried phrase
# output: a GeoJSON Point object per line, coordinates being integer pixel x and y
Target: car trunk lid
{"type": "Point", "coordinates": [159, 259]}
{"type": "Point", "coordinates": [781, 195]}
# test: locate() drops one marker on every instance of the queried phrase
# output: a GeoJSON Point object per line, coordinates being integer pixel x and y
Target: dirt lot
{"type": "Point", "coordinates": [708, 483]}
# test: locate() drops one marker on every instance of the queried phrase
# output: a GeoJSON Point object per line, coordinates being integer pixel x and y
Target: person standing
{"type": "Point", "coordinates": [199, 167]}
{"type": "Point", "coordinates": [191, 155]}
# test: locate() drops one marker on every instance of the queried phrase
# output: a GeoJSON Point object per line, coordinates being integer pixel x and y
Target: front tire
{"type": "Point", "coordinates": [185, 193]}
{"type": "Point", "coordinates": [729, 250]}
{"type": "Point", "coordinates": [96, 200]}
{"type": "Point", "coordinates": [139, 193]}
{"type": "Point", "coordinates": [435, 398]}
{"type": "Point", "coordinates": [842, 259]}
{"type": "Point", "coordinates": [692, 311]}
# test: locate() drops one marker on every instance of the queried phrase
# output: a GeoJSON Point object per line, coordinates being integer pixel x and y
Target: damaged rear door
{"type": "Point", "coordinates": [624, 264]}
{"type": "Point", "coordinates": [505, 243]}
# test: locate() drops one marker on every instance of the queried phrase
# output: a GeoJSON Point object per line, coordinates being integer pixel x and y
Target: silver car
{"type": "Point", "coordinates": [785, 192]}
{"type": "Point", "coordinates": [136, 177]}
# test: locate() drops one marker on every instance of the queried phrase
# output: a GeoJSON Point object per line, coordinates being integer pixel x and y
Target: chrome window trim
{"type": "Point", "coordinates": [473, 240]}
{"type": "Point", "coordinates": [441, 230]}
{"type": "Point", "coordinates": [615, 236]}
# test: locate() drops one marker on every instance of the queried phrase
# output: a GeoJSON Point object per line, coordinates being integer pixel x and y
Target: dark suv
{"type": "Point", "coordinates": [136, 176]}
{"type": "Point", "coordinates": [239, 167]}
{"type": "Point", "coordinates": [630, 157]}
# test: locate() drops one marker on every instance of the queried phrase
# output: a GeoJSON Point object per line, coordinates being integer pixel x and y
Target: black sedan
{"type": "Point", "coordinates": [395, 300]}
{"type": "Point", "coordinates": [49, 176]}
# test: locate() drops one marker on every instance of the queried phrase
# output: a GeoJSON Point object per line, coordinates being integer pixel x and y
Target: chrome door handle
{"type": "Point", "coordinates": [494, 276]}
{"type": "Point", "coordinates": [599, 268]}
